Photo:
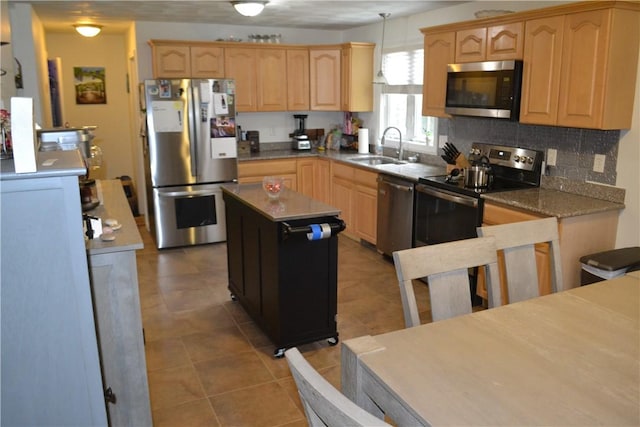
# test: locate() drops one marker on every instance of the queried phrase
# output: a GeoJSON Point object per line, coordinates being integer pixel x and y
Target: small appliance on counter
{"type": "Point", "coordinates": [300, 137]}
{"type": "Point", "coordinates": [76, 138]}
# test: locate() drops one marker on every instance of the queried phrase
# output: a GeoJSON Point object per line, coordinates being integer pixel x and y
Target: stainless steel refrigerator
{"type": "Point", "coordinates": [190, 151]}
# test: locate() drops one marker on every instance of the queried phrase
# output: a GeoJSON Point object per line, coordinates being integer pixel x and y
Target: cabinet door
{"type": "Point", "coordinates": [171, 62]}
{"type": "Point", "coordinates": [541, 74]}
{"type": "Point", "coordinates": [582, 80]}
{"type": "Point", "coordinates": [325, 79]}
{"type": "Point", "coordinates": [356, 78]}
{"type": "Point", "coordinates": [207, 62]}
{"type": "Point", "coordinates": [471, 45]}
{"type": "Point", "coordinates": [271, 76]}
{"type": "Point", "coordinates": [365, 213]}
{"type": "Point", "coordinates": [306, 176]}
{"type": "Point", "coordinates": [240, 64]}
{"type": "Point", "coordinates": [322, 181]}
{"type": "Point", "coordinates": [298, 80]}
{"type": "Point", "coordinates": [342, 198]}
{"type": "Point", "coordinates": [505, 42]}
{"type": "Point", "coordinates": [439, 50]}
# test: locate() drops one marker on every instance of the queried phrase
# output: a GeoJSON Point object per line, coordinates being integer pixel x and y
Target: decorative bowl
{"type": "Point", "coordinates": [273, 186]}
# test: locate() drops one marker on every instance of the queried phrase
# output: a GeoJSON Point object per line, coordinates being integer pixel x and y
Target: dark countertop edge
{"type": "Point", "coordinates": [229, 189]}
{"type": "Point", "coordinates": [115, 205]}
{"type": "Point", "coordinates": [586, 203]}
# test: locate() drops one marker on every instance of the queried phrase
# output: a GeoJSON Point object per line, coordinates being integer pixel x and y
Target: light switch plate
{"type": "Point", "coordinates": [552, 154]}
{"type": "Point", "coordinates": [442, 139]}
{"type": "Point", "coordinates": [598, 163]}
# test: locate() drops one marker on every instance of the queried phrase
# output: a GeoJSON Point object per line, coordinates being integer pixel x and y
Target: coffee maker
{"type": "Point", "coordinates": [300, 138]}
{"type": "Point", "coordinates": [76, 138]}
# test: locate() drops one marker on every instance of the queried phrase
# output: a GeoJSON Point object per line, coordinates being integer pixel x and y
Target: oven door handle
{"type": "Point", "coordinates": [168, 194]}
{"type": "Point", "coordinates": [446, 195]}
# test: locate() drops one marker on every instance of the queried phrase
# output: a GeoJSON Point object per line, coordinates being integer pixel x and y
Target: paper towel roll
{"type": "Point", "coordinates": [363, 141]}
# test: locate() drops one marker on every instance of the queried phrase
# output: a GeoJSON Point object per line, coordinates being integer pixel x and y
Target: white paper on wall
{"type": "Point", "coordinates": [224, 148]}
{"type": "Point", "coordinates": [168, 116]}
{"type": "Point", "coordinates": [23, 135]}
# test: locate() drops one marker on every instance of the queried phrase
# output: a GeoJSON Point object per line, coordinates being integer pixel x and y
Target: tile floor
{"type": "Point", "coordinates": [210, 365]}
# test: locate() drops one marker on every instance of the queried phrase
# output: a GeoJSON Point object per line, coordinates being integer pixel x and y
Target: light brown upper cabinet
{"type": "Point", "coordinates": [261, 78]}
{"type": "Point", "coordinates": [325, 81]}
{"type": "Point", "coordinates": [580, 69]}
{"type": "Point", "coordinates": [271, 79]}
{"type": "Point", "coordinates": [240, 65]}
{"type": "Point", "coordinates": [186, 61]}
{"type": "Point", "coordinates": [297, 79]}
{"type": "Point", "coordinates": [439, 50]}
{"type": "Point", "coordinates": [493, 43]}
{"type": "Point", "coordinates": [357, 76]}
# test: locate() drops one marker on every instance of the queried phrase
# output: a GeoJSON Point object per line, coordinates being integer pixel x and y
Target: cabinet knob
{"type": "Point", "coordinates": [110, 396]}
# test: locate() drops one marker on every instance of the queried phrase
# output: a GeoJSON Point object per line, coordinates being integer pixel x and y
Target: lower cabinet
{"type": "Point", "coordinates": [493, 215]}
{"type": "Point", "coordinates": [355, 192]}
{"type": "Point", "coordinates": [254, 171]}
{"type": "Point", "coordinates": [579, 235]}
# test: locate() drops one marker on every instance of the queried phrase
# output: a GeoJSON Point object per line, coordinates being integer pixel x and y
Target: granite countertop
{"type": "Point", "coordinates": [290, 205]}
{"type": "Point", "coordinates": [551, 202]}
{"type": "Point", "coordinates": [114, 205]}
{"type": "Point", "coordinates": [410, 171]}
{"type": "Point", "coordinates": [559, 197]}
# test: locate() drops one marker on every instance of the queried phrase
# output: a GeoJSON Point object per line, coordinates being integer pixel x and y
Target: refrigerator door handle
{"type": "Point", "coordinates": [193, 107]}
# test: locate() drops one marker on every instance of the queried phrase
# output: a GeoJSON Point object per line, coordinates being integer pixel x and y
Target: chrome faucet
{"type": "Point", "coordinates": [400, 151]}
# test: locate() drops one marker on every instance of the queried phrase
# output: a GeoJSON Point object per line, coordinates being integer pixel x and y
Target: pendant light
{"type": "Point", "coordinates": [249, 8]}
{"type": "Point", "coordinates": [88, 30]}
{"type": "Point", "coordinates": [380, 79]}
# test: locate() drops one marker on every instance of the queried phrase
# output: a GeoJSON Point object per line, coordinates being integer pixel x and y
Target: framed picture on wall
{"type": "Point", "coordinates": [90, 84]}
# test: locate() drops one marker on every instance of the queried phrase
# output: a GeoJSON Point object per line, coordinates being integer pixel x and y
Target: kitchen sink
{"type": "Point", "coordinates": [377, 160]}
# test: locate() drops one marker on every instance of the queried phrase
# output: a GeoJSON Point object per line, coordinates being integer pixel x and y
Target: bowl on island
{"type": "Point", "coordinates": [273, 186]}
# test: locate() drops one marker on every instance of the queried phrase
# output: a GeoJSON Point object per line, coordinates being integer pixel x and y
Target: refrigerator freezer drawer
{"type": "Point", "coordinates": [188, 215]}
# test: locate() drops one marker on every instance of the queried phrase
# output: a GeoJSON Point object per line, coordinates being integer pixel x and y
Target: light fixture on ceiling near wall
{"type": "Point", "coordinates": [380, 79]}
{"type": "Point", "coordinates": [249, 8]}
{"type": "Point", "coordinates": [88, 30]}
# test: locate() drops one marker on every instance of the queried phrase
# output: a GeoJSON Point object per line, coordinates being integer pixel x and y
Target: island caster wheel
{"type": "Point", "coordinates": [332, 341]}
{"type": "Point", "coordinates": [233, 297]}
{"type": "Point", "coordinates": [278, 353]}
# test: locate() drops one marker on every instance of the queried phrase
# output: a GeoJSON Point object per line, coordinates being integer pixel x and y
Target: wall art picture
{"type": "Point", "coordinates": [90, 85]}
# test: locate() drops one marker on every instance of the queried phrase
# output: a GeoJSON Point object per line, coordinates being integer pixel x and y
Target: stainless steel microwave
{"type": "Point", "coordinates": [484, 89]}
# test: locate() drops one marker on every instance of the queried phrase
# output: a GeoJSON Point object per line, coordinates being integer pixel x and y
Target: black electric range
{"type": "Point", "coordinates": [513, 168]}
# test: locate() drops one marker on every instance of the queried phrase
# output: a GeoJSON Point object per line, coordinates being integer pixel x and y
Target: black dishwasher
{"type": "Point", "coordinates": [395, 214]}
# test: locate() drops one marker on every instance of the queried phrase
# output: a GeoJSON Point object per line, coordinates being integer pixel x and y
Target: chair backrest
{"type": "Point", "coordinates": [446, 267]}
{"type": "Point", "coordinates": [517, 240]}
{"type": "Point", "coordinates": [323, 404]}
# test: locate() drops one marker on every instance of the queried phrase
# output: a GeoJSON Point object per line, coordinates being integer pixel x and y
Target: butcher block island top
{"type": "Point", "coordinates": [289, 206]}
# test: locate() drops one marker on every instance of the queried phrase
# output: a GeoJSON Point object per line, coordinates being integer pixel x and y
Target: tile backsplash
{"type": "Point", "coordinates": [576, 148]}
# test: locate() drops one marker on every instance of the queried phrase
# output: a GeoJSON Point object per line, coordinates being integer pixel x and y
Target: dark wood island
{"type": "Point", "coordinates": [282, 259]}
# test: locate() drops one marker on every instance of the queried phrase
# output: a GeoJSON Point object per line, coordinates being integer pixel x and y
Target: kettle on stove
{"type": "Point", "coordinates": [479, 174]}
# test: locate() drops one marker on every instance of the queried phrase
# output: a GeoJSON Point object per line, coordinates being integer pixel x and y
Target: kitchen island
{"type": "Point", "coordinates": [282, 262]}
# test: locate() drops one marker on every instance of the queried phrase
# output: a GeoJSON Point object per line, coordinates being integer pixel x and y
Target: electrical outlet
{"type": "Point", "coordinates": [552, 154]}
{"type": "Point", "coordinates": [442, 139]}
{"type": "Point", "coordinates": [598, 163]}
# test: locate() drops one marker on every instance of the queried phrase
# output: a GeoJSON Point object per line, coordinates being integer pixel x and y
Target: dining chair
{"type": "Point", "coordinates": [517, 241]}
{"type": "Point", "coordinates": [446, 267]}
{"type": "Point", "coordinates": [323, 404]}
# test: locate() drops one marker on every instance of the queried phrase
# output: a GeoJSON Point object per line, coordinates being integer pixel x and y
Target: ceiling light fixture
{"type": "Point", "coordinates": [249, 8]}
{"type": "Point", "coordinates": [88, 30]}
{"type": "Point", "coordinates": [380, 79]}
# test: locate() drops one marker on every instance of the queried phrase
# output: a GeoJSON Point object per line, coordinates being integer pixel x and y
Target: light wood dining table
{"type": "Point", "coordinates": [570, 358]}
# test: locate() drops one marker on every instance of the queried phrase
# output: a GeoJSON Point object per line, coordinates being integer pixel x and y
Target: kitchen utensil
{"type": "Point", "coordinates": [448, 160]}
{"type": "Point", "coordinates": [479, 175]}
